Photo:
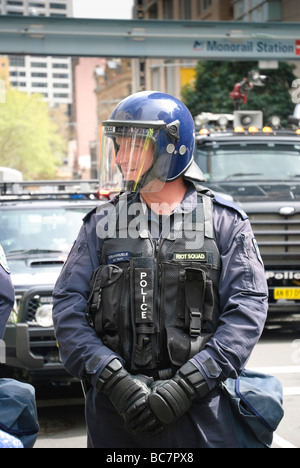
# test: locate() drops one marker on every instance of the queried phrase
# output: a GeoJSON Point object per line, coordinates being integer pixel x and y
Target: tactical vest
{"type": "Point", "coordinates": [156, 303]}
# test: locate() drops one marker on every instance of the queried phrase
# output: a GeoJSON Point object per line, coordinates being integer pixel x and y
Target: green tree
{"type": "Point", "coordinates": [215, 80]}
{"type": "Point", "coordinates": [29, 141]}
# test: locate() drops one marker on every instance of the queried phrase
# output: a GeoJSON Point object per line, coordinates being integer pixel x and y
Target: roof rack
{"type": "Point", "coordinates": [250, 132]}
{"type": "Point", "coordinates": [49, 189]}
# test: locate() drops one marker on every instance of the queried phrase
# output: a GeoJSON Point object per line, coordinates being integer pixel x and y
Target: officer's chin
{"type": "Point", "coordinates": [152, 186]}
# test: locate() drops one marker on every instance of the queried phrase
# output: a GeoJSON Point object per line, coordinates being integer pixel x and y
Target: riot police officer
{"type": "Point", "coordinates": [177, 298]}
{"type": "Point", "coordinates": [7, 294]}
{"type": "Point", "coordinates": [6, 303]}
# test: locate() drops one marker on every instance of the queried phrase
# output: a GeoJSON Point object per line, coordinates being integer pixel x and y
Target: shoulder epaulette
{"type": "Point", "coordinates": [100, 207]}
{"type": "Point", "coordinates": [226, 203]}
{"type": "Point", "coordinates": [89, 215]}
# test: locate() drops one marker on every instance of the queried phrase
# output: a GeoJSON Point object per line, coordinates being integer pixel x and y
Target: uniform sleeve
{"type": "Point", "coordinates": [243, 299]}
{"type": "Point", "coordinates": [82, 351]}
{"type": "Point", "coordinates": [7, 298]}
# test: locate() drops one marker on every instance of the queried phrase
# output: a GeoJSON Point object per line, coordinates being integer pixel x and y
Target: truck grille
{"type": "Point", "coordinates": [277, 236]}
{"type": "Point", "coordinates": [34, 304]}
{"type": "Point", "coordinates": [31, 301]}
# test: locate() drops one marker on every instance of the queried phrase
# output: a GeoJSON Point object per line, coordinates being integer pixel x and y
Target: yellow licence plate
{"type": "Point", "coordinates": [287, 293]}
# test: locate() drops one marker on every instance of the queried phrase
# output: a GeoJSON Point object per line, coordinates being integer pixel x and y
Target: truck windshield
{"type": "Point", "coordinates": [246, 161]}
{"type": "Point", "coordinates": [31, 231]}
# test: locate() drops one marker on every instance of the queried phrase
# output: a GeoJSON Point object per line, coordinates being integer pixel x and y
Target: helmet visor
{"type": "Point", "coordinates": [128, 156]}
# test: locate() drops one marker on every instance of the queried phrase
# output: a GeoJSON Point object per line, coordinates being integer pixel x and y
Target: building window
{"type": "Point", "coordinates": [60, 95]}
{"type": "Point", "coordinates": [17, 73]}
{"type": "Point", "coordinates": [153, 11]}
{"type": "Point", "coordinates": [37, 5]}
{"type": "Point", "coordinates": [186, 11]}
{"type": "Point", "coordinates": [15, 3]}
{"type": "Point", "coordinates": [60, 75]}
{"type": "Point", "coordinates": [168, 9]}
{"type": "Point", "coordinates": [60, 65]}
{"type": "Point", "coordinates": [58, 6]}
{"type": "Point", "coordinates": [205, 4]}
{"type": "Point", "coordinates": [39, 75]}
{"type": "Point", "coordinates": [238, 9]}
{"type": "Point", "coordinates": [18, 84]}
{"type": "Point", "coordinates": [60, 85]}
{"type": "Point", "coordinates": [258, 10]}
{"type": "Point", "coordinates": [39, 85]}
{"type": "Point", "coordinates": [16, 61]}
{"type": "Point", "coordinates": [39, 65]}
{"type": "Point", "coordinates": [14, 13]}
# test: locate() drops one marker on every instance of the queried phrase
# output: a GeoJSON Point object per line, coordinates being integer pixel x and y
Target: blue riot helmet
{"type": "Point", "coordinates": [149, 137]}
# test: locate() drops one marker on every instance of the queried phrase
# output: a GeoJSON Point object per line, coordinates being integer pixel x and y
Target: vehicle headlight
{"type": "Point", "coordinates": [43, 316]}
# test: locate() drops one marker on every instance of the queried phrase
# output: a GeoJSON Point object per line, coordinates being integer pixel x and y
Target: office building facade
{"type": "Point", "coordinates": [49, 76]}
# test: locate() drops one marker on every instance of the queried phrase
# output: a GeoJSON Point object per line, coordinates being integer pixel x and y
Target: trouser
{"type": "Point", "coordinates": [208, 424]}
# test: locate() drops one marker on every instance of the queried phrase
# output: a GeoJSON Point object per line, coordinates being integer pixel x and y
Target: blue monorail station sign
{"type": "Point", "coordinates": [218, 40]}
{"type": "Point", "coordinates": [263, 49]}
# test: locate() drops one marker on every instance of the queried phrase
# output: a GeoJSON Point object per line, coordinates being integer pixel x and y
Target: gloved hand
{"type": "Point", "coordinates": [171, 399]}
{"type": "Point", "coordinates": [129, 395]}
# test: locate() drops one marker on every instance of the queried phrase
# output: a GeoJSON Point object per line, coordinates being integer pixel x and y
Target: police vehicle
{"type": "Point", "coordinates": [258, 168]}
{"type": "Point", "coordinates": [39, 222]}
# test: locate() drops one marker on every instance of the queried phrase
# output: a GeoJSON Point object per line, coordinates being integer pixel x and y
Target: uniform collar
{"type": "Point", "coordinates": [189, 201]}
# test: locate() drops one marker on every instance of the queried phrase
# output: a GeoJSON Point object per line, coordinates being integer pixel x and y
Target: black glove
{"type": "Point", "coordinates": [129, 395]}
{"type": "Point", "coordinates": [171, 399]}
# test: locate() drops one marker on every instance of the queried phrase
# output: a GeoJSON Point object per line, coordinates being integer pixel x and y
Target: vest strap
{"type": "Point", "coordinates": [195, 292]}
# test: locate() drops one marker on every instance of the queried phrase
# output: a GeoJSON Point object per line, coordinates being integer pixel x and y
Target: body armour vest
{"type": "Point", "coordinates": [155, 302]}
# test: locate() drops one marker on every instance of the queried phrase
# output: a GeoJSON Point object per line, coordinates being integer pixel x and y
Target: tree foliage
{"type": "Point", "coordinates": [29, 141]}
{"type": "Point", "coordinates": [215, 80]}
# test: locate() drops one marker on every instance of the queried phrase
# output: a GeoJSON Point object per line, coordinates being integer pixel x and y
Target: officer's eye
{"type": "Point", "coordinates": [139, 145]}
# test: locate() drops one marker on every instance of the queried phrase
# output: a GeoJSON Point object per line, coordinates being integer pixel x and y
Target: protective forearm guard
{"type": "Point", "coordinates": [171, 399]}
{"type": "Point", "coordinates": [120, 386]}
{"type": "Point", "coordinates": [129, 395]}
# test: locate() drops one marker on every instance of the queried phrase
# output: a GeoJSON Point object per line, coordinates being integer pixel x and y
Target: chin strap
{"type": "Point", "coordinates": [145, 179]}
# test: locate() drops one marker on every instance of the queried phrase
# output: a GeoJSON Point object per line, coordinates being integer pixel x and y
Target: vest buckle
{"type": "Point", "coordinates": [195, 322]}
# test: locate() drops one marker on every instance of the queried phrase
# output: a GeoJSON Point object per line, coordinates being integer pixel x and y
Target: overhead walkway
{"type": "Point", "coordinates": [149, 38]}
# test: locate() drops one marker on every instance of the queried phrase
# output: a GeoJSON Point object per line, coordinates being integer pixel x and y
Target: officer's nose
{"type": "Point", "coordinates": [121, 156]}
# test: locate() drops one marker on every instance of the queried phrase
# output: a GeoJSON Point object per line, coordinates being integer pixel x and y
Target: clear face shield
{"type": "Point", "coordinates": [129, 159]}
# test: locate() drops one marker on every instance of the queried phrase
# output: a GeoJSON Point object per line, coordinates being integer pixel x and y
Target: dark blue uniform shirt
{"type": "Point", "coordinates": [6, 293]}
{"type": "Point", "coordinates": [244, 303]}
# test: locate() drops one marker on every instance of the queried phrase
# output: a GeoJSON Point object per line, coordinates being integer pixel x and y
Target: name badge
{"type": "Point", "coordinates": [118, 257]}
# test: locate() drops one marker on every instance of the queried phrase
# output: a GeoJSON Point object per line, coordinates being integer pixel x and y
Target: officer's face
{"type": "Point", "coordinates": [134, 157]}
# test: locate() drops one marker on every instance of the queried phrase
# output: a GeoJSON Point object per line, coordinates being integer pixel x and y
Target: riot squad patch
{"type": "Point", "coordinates": [190, 257]}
